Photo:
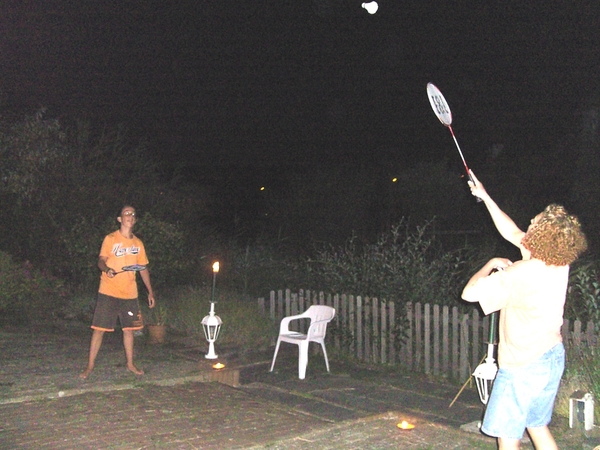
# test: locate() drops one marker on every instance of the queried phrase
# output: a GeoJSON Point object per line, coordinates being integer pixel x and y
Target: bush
{"type": "Point", "coordinates": [244, 326]}
{"type": "Point", "coordinates": [402, 265]}
{"type": "Point", "coordinates": [27, 293]}
{"type": "Point", "coordinates": [261, 265]}
{"type": "Point", "coordinates": [583, 295]}
{"type": "Point", "coordinates": [582, 373]}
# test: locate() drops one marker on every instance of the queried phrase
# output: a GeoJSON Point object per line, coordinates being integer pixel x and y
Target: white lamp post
{"type": "Point", "coordinates": [212, 323]}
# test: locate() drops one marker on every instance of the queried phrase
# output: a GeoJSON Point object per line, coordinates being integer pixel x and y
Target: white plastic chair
{"type": "Point", "coordinates": [319, 316]}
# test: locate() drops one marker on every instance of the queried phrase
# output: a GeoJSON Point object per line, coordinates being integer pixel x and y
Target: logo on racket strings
{"type": "Point", "coordinates": [440, 105]}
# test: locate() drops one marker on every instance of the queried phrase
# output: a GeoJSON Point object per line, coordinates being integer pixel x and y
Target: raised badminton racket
{"type": "Point", "coordinates": [442, 111]}
{"type": "Point", "coordinates": [132, 268]}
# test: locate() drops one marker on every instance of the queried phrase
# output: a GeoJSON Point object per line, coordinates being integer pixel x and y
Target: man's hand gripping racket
{"type": "Point", "coordinates": [442, 111]}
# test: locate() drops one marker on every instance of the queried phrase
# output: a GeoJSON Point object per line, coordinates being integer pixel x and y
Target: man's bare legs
{"type": "Point", "coordinates": [128, 344]}
{"type": "Point", "coordinates": [508, 444]}
{"type": "Point", "coordinates": [540, 436]}
{"type": "Point", "coordinates": [96, 343]}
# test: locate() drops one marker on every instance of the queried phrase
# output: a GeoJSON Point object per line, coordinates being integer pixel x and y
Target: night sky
{"type": "Point", "coordinates": [307, 81]}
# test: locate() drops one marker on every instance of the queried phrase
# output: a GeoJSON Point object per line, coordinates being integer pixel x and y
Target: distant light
{"type": "Point", "coordinates": [394, 180]}
{"type": "Point", "coordinates": [262, 188]}
{"type": "Point", "coordinates": [371, 7]}
{"type": "Point", "coordinates": [215, 267]}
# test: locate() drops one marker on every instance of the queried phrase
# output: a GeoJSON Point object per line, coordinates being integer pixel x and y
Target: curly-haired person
{"type": "Point", "coordinates": [530, 295]}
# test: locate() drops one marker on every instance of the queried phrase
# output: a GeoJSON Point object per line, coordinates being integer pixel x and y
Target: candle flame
{"type": "Point", "coordinates": [216, 266]}
{"type": "Point", "coordinates": [404, 425]}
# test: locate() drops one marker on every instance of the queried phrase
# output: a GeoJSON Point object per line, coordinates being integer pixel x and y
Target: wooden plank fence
{"type": "Point", "coordinates": [432, 339]}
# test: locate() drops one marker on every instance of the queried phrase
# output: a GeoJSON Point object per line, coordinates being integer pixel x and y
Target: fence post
{"type": "Point", "coordinates": [475, 350]}
{"type": "Point", "coordinates": [272, 305]}
{"type": "Point", "coordinates": [359, 328]}
{"type": "Point", "coordinates": [436, 340]}
{"type": "Point", "coordinates": [427, 338]}
{"type": "Point", "coordinates": [445, 339]}
{"type": "Point", "coordinates": [352, 324]}
{"type": "Point", "coordinates": [384, 332]}
{"type": "Point", "coordinates": [418, 361]}
{"type": "Point", "coordinates": [392, 316]}
{"type": "Point", "coordinates": [409, 339]}
{"type": "Point", "coordinates": [301, 303]}
{"type": "Point", "coordinates": [367, 330]}
{"type": "Point", "coordinates": [464, 346]}
{"type": "Point", "coordinates": [376, 344]}
{"type": "Point", "coordinates": [336, 306]}
{"type": "Point", "coordinates": [455, 348]}
{"type": "Point", "coordinates": [280, 305]}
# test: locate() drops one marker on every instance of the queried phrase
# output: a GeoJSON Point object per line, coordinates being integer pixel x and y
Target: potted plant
{"type": "Point", "coordinates": [157, 324]}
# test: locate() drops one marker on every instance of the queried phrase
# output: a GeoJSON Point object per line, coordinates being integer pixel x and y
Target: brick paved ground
{"type": "Point", "coordinates": [349, 408]}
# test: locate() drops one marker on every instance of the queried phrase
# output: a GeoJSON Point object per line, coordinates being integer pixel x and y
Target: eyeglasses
{"type": "Point", "coordinates": [129, 213]}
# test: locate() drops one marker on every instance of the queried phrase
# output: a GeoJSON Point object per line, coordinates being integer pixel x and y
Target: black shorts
{"type": "Point", "coordinates": [108, 309]}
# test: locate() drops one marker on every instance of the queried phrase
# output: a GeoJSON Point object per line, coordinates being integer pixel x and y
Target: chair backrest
{"type": "Point", "coordinates": [322, 314]}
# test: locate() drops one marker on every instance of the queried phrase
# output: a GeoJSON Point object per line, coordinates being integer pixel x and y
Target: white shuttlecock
{"type": "Point", "coordinates": [371, 7]}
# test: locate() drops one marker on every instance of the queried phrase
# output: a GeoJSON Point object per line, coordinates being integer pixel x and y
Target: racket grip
{"type": "Point", "coordinates": [473, 181]}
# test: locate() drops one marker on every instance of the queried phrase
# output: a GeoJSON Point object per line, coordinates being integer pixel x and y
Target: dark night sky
{"type": "Point", "coordinates": [305, 81]}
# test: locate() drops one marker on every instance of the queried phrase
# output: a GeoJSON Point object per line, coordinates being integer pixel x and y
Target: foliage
{"type": "Point", "coordinates": [582, 373]}
{"type": "Point", "coordinates": [65, 187]}
{"type": "Point", "coordinates": [243, 327]}
{"type": "Point", "coordinates": [583, 295]}
{"type": "Point", "coordinates": [27, 293]}
{"type": "Point", "coordinates": [403, 264]}
{"type": "Point", "coordinates": [262, 264]}
{"type": "Point", "coordinates": [165, 245]}
{"type": "Point", "coordinates": [158, 315]}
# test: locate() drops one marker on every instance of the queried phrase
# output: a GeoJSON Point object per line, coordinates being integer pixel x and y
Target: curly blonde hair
{"type": "Point", "coordinates": [556, 238]}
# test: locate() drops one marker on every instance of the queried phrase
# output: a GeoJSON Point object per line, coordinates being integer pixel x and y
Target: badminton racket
{"type": "Point", "coordinates": [442, 111]}
{"type": "Point", "coordinates": [132, 268]}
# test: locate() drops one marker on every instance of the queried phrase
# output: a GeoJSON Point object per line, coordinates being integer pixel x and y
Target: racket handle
{"type": "Point", "coordinates": [473, 181]}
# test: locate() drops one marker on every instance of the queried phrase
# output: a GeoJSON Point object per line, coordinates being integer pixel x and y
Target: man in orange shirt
{"type": "Point", "coordinates": [117, 294]}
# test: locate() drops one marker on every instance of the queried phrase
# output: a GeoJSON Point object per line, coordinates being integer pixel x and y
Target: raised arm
{"type": "Point", "coordinates": [505, 225]}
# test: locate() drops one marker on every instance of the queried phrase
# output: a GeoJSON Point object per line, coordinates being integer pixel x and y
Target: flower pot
{"type": "Point", "coordinates": [156, 334]}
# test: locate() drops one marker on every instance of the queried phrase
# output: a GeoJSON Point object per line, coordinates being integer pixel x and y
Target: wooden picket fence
{"type": "Point", "coordinates": [432, 339]}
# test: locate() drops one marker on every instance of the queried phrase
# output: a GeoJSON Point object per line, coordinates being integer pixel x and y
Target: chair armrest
{"type": "Point", "coordinates": [314, 323]}
{"type": "Point", "coordinates": [284, 326]}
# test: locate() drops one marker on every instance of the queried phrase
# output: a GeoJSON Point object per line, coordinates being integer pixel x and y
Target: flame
{"type": "Point", "coordinates": [404, 425]}
{"type": "Point", "coordinates": [218, 366]}
{"type": "Point", "coordinates": [216, 267]}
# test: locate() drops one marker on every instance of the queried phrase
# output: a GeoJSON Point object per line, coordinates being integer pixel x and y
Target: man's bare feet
{"type": "Point", "coordinates": [135, 370]}
{"type": "Point", "coordinates": [86, 373]}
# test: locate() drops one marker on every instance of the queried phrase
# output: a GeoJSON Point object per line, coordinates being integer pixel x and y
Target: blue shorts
{"type": "Point", "coordinates": [523, 397]}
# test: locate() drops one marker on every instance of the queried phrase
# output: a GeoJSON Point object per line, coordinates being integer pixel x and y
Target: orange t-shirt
{"type": "Point", "coordinates": [121, 251]}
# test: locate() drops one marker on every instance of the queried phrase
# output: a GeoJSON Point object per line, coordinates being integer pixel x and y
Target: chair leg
{"type": "Point", "coordinates": [275, 355]}
{"type": "Point", "coordinates": [325, 354]}
{"type": "Point", "coordinates": [302, 359]}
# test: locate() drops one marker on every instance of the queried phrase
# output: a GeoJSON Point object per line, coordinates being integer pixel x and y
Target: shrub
{"type": "Point", "coordinates": [27, 293]}
{"type": "Point", "coordinates": [243, 327]}
{"type": "Point", "coordinates": [262, 264]}
{"type": "Point", "coordinates": [403, 265]}
{"type": "Point", "coordinates": [583, 295]}
{"type": "Point", "coordinates": [582, 373]}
